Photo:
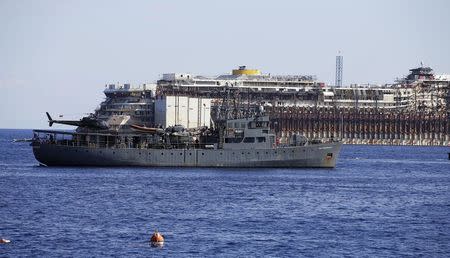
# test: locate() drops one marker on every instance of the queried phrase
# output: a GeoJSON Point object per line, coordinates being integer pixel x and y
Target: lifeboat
{"type": "Point", "coordinates": [149, 130]}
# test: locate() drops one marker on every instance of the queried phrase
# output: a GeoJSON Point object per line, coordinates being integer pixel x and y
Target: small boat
{"type": "Point", "coordinates": [4, 241]}
{"type": "Point", "coordinates": [23, 140]}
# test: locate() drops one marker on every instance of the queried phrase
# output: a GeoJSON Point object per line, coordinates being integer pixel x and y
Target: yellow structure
{"type": "Point", "coordinates": [244, 71]}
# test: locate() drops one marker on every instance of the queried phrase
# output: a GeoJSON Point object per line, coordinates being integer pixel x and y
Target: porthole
{"type": "Point", "coordinates": [292, 151]}
{"type": "Point", "coordinates": [140, 153]}
{"type": "Point", "coordinates": [162, 153]}
{"type": "Point", "coordinates": [114, 152]}
{"type": "Point", "coordinates": [190, 154]}
{"type": "Point", "coordinates": [257, 152]}
{"type": "Point", "coordinates": [221, 153]}
{"type": "Point", "coordinates": [171, 153]}
{"type": "Point", "coordinates": [267, 152]}
{"type": "Point", "coordinates": [203, 153]}
{"type": "Point", "coordinates": [181, 153]}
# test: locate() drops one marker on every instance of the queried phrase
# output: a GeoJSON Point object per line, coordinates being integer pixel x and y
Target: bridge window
{"type": "Point", "coordinates": [258, 124]}
{"type": "Point", "coordinates": [261, 139]}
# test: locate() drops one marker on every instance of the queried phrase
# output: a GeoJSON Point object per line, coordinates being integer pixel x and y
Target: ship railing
{"type": "Point", "coordinates": [104, 144]}
{"type": "Point", "coordinates": [69, 139]}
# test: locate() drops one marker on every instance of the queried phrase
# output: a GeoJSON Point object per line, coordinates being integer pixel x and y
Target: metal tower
{"type": "Point", "coordinates": [339, 70]}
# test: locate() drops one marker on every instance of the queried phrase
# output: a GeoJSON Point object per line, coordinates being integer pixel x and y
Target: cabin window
{"type": "Point", "coordinates": [261, 139]}
{"type": "Point", "coordinates": [243, 125]}
{"type": "Point", "coordinates": [236, 125]}
{"type": "Point", "coordinates": [249, 139]}
{"type": "Point", "coordinates": [258, 124]}
{"type": "Point", "coordinates": [233, 140]}
{"type": "Point", "coordinates": [230, 125]}
{"type": "Point", "coordinates": [265, 131]}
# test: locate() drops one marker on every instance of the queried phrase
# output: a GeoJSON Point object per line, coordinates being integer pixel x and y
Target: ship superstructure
{"type": "Point", "coordinates": [414, 110]}
{"type": "Point", "coordinates": [125, 105]}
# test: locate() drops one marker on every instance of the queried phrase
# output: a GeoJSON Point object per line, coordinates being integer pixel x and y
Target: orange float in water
{"type": "Point", "coordinates": [157, 238]}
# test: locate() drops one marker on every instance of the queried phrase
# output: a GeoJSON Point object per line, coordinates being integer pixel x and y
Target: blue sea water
{"type": "Point", "coordinates": [379, 201]}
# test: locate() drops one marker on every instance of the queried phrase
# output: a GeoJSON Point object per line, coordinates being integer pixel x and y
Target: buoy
{"type": "Point", "coordinates": [4, 241]}
{"type": "Point", "coordinates": [157, 239]}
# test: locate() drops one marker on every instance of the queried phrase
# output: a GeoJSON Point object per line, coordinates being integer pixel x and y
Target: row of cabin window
{"type": "Point", "coordinates": [251, 125]}
{"type": "Point", "coordinates": [246, 140]}
{"type": "Point", "coordinates": [236, 125]}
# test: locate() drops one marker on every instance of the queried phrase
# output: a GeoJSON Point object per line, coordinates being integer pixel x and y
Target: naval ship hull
{"type": "Point", "coordinates": [315, 155]}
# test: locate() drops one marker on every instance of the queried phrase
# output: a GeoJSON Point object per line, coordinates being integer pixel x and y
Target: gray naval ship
{"type": "Point", "coordinates": [238, 142]}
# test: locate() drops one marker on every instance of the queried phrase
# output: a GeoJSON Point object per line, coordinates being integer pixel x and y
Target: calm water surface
{"type": "Point", "coordinates": [379, 201]}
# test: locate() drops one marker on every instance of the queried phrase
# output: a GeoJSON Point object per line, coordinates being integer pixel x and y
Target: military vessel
{"type": "Point", "coordinates": [153, 126]}
{"type": "Point", "coordinates": [243, 142]}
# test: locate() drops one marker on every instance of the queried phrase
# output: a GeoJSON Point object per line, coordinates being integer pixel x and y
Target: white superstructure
{"type": "Point", "coordinates": [189, 112]}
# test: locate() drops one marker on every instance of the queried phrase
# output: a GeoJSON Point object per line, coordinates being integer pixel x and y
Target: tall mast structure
{"type": "Point", "coordinates": [339, 70]}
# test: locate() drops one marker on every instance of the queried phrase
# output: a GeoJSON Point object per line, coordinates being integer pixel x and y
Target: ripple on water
{"type": "Point", "coordinates": [379, 201]}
